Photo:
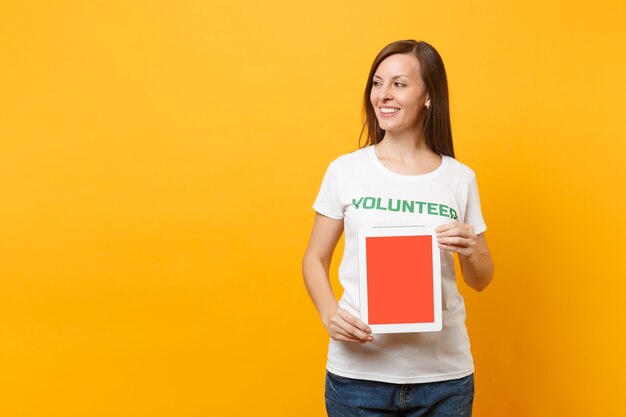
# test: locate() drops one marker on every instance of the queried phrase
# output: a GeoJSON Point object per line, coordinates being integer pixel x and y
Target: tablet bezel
{"type": "Point", "coordinates": [387, 231]}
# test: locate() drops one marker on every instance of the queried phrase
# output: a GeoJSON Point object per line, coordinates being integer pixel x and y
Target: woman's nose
{"type": "Point", "coordinates": [385, 92]}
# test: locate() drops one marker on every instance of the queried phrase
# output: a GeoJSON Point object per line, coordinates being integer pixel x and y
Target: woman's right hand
{"type": "Point", "coordinates": [343, 326]}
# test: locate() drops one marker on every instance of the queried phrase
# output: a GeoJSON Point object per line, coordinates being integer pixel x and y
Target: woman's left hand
{"type": "Point", "coordinates": [457, 237]}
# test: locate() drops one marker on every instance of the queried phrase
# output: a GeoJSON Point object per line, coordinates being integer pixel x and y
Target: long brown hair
{"type": "Point", "coordinates": [437, 124]}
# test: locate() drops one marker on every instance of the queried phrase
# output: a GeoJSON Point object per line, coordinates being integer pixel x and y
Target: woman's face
{"type": "Point", "coordinates": [398, 93]}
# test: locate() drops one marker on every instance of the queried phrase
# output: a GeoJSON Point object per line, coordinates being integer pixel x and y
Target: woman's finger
{"type": "Point", "coordinates": [447, 226]}
{"type": "Point", "coordinates": [463, 230]}
{"type": "Point", "coordinates": [342, 338]}
{"type": "Point", "coordinates": [354, 321]}
{"type": "Point", "coordinates": [341, 333]}
{"type": "Point", "coordinates": [352, 331]}
{"type": "Point", "coordinates": [458, 249]}
{"type": "Point", "coordinates": [348, 324]}
{"type": "Point", "coordinates": [337, 332]}
{"type": "Point", "coordinates": [458, 241]}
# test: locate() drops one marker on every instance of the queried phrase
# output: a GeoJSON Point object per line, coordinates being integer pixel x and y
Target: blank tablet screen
{"type": "Point", "coordinates": [400, 279]}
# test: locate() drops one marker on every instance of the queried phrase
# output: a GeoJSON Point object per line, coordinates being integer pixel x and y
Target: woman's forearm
{"type": "Point", "coordinates": [318, 286]}
{"type": "Point", "coordinates": [477, 270]}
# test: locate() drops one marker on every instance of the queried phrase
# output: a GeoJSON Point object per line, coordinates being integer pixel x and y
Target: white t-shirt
{"type": "Point", "coordinates": [359, 189]}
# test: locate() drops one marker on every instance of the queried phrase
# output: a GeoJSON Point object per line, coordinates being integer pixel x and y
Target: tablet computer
{"type": "Point", "coordinates": [400, 279]}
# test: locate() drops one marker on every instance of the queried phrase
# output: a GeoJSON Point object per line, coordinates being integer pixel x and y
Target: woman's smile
{"type": "Point", "coordinates": [389, 111]}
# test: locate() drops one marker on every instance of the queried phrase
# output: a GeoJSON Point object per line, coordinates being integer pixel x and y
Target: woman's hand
{"type": "Point", "coordinates": [457, 237]}
{"type": "Point", "coordinates": [476, 263]}
{"type": "Point", "coordinates": [343, 326]}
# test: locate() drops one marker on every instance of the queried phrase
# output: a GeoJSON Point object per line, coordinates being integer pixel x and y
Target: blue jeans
{"type": "Point", "coordinates": [347, 397]}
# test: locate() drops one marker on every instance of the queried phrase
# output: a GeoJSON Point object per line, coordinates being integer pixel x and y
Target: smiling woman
{"type": "Point", "coordinates": [413, 74]}
{"type": "Point", "coordinates": [405, 175]}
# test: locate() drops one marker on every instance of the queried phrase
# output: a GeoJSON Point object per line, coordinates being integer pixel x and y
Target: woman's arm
{"type": "Point", "coordinates": [475, 259]}
{"type": "Point", "coordinates": [477, 269]}
{"type": "Point", "coordinates": [340, 324]}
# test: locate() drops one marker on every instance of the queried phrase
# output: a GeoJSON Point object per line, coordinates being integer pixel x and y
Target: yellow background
{"type": "Point", "coordinates": [158, 165]}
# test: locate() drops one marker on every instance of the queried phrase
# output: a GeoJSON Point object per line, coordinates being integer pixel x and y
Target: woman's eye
{"type": "Point", "coordinates": [375, 83]}
{"type": "Point", "coordinates": [400, 84]}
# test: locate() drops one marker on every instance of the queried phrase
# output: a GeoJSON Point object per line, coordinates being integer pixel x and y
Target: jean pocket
{"type": "Point", "coordinates": [460, 396]}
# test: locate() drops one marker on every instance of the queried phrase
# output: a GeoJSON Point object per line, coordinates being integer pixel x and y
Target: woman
{"type": "Point", "coordinates": [408, 159]}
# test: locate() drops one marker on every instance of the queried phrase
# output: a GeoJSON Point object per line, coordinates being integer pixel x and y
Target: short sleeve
{"type": "Point", "coordinates": [473, 213]}
{"type": "Point", "coordinates": [327, 201]}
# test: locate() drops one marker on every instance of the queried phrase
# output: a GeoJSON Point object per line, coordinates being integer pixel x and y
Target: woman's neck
{"type": "Point", "coordinates": [406, 145]}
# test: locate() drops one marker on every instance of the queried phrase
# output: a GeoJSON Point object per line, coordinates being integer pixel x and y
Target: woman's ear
{"type": "Point", "coordinates": [427, 102]}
